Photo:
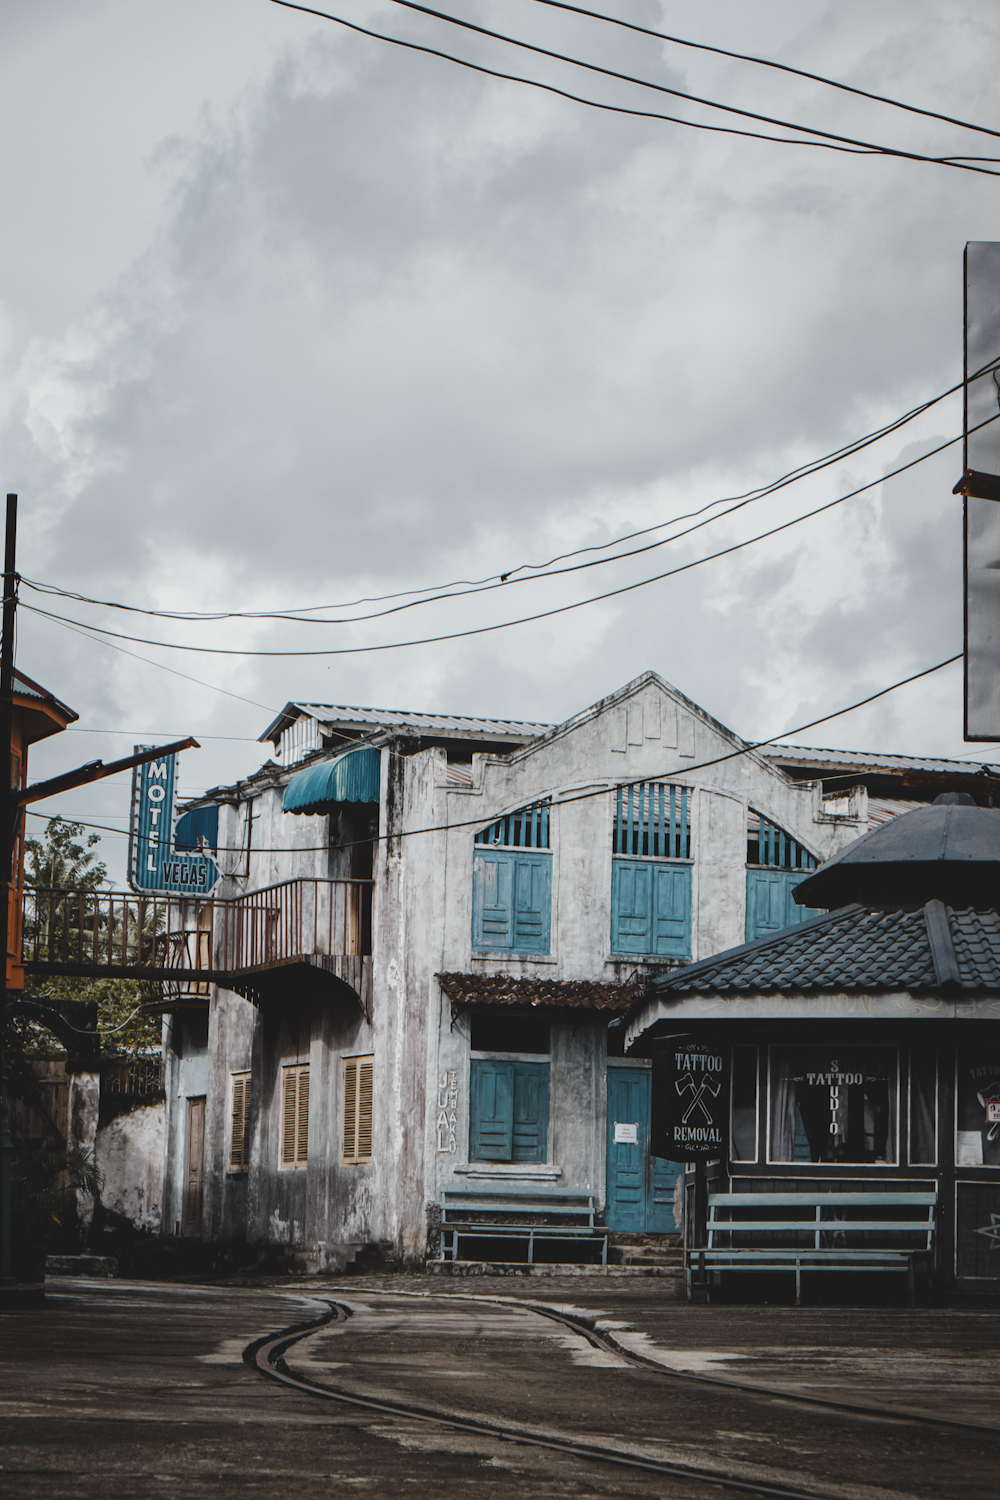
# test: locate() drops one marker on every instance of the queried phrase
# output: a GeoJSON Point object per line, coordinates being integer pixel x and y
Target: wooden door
{"type": "Point", "coordinates": [640, 1186]}
{"type": "Point", "coordinates": [194, 1188]}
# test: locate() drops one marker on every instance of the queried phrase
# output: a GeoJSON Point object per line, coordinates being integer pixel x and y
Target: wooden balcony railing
{"type": "Point", "coordinates": [108, 934]}
{"type": "Point", "coordinates": [330, 918]}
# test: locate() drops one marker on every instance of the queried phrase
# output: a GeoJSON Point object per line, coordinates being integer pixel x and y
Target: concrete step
{"type": "Point", "coordinates": [521, 1268]}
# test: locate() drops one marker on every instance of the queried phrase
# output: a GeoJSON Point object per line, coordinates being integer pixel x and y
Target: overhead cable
{"type": "Point", "coordinates": [546, 614]}
{"type": "Point", "coordinates": [764, 62]}
{"type": "Point", "coordinates": [825, 139]}
{"type": "Point", "coordinates": [746, 748]}
{"type": "Point", "coordinates": [462, 588]}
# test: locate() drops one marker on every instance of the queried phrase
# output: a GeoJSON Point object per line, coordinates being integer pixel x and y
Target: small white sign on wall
{"type": "Point", "coordinates": [626, 1135]}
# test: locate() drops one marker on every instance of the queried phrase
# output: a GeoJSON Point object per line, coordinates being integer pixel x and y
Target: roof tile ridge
{"type": "Point", "coordinates": [943, 955]}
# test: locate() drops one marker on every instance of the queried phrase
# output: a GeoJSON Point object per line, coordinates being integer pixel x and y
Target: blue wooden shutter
{"type": "Point", "coordinates": [531, 1112]}
{"type": "Point", "coordinates": [770, 905]}
{"type": "Point", "coordinates": [767, 902]}
{"type": "Point", "coordinates": [532, 903]}
{"type": "Point", "coordinates": [672, 910]}
{"type": "Point", "coordinates": [631, 906]}
{"type": "Point", "coordinates": [796, 914]}
{"type": "Point", "coordinates": [491, 1112]}
{"type": "Point", "coordinates": [492, 899]}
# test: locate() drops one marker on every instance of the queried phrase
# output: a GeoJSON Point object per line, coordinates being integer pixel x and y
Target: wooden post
{"type": "Point", "coordinates": [700, 1227]}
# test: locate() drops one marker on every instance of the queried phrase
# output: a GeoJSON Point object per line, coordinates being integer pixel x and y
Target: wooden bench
{"type": "Point", "coordinates": [518, 1216]}
{"type": "Point", "coordinates": [814, 1232]}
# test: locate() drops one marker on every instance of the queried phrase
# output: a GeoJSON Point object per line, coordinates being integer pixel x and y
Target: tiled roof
{"type": "Point", "coordinates": [565, 994]}
{"type": "Point", "coordinates": [857, 949]}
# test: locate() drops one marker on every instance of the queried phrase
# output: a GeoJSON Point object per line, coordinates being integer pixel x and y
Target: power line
{"type": "Point", "coordinates": [456, 635]}
{"type": "Point", "coordinates": [534, 571]}
{"type": "Point", "coordinates": [85, 630]}
{"type": "Point", "coordinates": [167, 734]}
{"type": "Point", "coordinates": [826, 139]}
{"type": "Point", "coordinates": [747, 748]}
{"type": "Point", "coordinates": [763, 62]}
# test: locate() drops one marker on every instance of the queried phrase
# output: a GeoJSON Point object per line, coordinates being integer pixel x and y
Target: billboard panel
{"type": "Point", "coordinates": [981, 479]}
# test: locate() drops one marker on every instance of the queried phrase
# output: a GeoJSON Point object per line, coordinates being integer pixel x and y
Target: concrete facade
{"type": "Point", "coordinates": [130, 1156]}
{"type": "Point", "coordinates": [436, 791]}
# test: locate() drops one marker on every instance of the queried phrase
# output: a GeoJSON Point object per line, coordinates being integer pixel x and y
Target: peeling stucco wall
{"type": "Point", "coordinates": [130, 1158]}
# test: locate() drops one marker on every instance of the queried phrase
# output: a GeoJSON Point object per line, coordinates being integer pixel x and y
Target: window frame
{"type": "Point", "coordinates": [830, 1166]}
{"type": "Point", "coordinates": [357, 1077]}
{"type": "Point", "coordinates": [239, 1147]}
{"type": "Point", "coordinates": [530, 1070]}
{"type": "Point", "coordinates": [659, 816]}
{"type": "Point", "coordinates": [530, 858]}
{"type": "Point", "coordinates": [672, 947]}
{"type": "Point", "coordinates": [294, 1156]}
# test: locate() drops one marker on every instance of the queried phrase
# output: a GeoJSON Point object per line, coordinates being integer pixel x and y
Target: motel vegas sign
{"type": "Point", "coordinates": [154, 865]}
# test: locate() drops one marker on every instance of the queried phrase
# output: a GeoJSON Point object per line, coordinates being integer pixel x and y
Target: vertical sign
{"type": "Point", "coordinates": [981, 487]}
{"type": "Point", "coordinates": [690, 1111]}
{"type": "Point", "coordinates": [153, 865]}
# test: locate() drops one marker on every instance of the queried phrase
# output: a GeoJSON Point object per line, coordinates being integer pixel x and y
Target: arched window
{"type": "Point", "coordinates": [651, 871]}
{"type": "Point", "coordinates": [512, 883]}
{"type": "Point", "coordinates": [776, 863]}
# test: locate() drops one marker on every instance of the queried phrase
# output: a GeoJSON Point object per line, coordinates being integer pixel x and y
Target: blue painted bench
{"type": "Point", "coordinates": [812, 1232]}
{"type": "Point", "coordinates": [520, 1217]}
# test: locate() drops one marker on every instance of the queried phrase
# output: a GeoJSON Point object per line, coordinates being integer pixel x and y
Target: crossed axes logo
{"type": "Point", "coordinates": [687, 1085]}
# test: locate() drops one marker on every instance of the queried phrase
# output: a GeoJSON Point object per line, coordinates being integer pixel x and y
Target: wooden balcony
{"type": "Point", "coordinates": [323, 927]}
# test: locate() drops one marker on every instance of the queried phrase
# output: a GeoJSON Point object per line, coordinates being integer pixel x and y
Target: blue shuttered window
{"type": "Point", "coordinates": [776, 863]}
{"type": "Point", "coordinates": [509, 1113]}
{"type": "Point", "coordinates": [512, 884]}
{"type": "Point", "coordinates": [650, 908]}
{"type": "Point", "coordinates": [651, 895]}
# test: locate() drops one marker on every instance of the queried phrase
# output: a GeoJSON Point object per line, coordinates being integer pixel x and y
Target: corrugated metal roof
{"type": "Point", "coordinates": [881, 809]}
{"type": "Point", "coordinates": [863, 760]}
{"type": "Point", "coordinates": [850, 949]}
{"type": "Point", "coordinates": [454, 726]}
{"type": "Point", "coordinates": [25, 687]}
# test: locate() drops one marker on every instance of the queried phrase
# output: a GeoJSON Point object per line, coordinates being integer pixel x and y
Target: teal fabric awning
{"type": "Point", "coordinates": [353, 777]}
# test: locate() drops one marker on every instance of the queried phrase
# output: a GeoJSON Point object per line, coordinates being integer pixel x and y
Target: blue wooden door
{"type": "Point", "coordinates": [640, 1187]}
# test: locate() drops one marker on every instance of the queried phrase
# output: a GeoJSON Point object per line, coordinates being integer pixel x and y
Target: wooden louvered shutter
{"type": "Point", "coordinates": [359, 1079]}
{"type": "Point", "coordinates": [366, 1069]}
{"type": "Point", "coordinates": [239, 1139]}
{"type": "Point", "coordinates": [302, 1119]}
{"type": "Point", "coordinates": [350, 1109]}
{"type": "Point", "coordinates": [289, 1085]}
{"type": "Point", "coordinates": [295, 1115]}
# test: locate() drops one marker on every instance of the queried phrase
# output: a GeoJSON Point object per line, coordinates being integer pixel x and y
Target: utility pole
{"type": "Point", "coordinates": [9, 809]}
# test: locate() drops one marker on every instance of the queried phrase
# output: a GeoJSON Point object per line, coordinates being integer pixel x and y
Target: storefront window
{"type": "Point", "coordinates": [744, 1143]}
{"type": "Point", "coordinates": [978, 1140]}
{"type": "Point", "coordinates": [833, 1104]}
{"type": "Point", "coordinates": [923, 1107]}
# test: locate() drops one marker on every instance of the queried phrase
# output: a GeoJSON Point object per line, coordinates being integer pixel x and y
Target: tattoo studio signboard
{"type": "Point", "coordinates": [153, 863]}
{"type": "Point", "coordinates": [690, 1114]}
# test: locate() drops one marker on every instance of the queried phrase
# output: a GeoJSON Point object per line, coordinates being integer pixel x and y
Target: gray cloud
{"type": "Point", "coordinates": [402, 324]}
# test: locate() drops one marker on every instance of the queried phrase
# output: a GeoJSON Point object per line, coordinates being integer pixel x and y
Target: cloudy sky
{"type": "Point", "coordinates": [291, 318]}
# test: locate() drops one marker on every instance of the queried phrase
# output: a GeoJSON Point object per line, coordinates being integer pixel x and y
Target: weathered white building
{"type": "Point", "coordinates": [433, 923]}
